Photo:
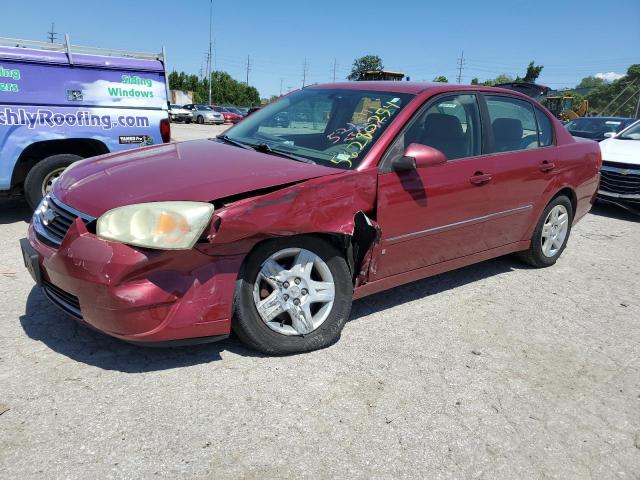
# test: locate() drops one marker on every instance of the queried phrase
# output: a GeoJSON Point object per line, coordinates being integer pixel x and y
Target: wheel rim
{"type": "Point", "coordinates": [554, 230]}
{"type": "Point", "coordinates": [51, 177]}
{"type": "Point", "coordinates": [294, 291]}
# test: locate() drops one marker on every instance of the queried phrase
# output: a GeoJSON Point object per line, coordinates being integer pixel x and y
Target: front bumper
{"type": "Point", "coordinates": [142, 296]}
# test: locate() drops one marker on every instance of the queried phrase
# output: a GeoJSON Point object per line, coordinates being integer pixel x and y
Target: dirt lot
{"type": "Point", "coordinates": [495, 371]}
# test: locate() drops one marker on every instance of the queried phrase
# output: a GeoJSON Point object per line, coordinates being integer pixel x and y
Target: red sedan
{"type": "Point", "coordinates": [273, 230]}
{"type": "Point", "coordinates": [229, 116]}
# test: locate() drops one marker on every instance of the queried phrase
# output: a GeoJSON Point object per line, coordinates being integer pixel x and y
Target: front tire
{"type": "Point", "coordinates": [293, 295]}
{"type": "Point", "coordinates": [200, 119]}
{"type": "Point", "coordinates": [551, 234]}
{"type": "Point", "coordinates": [41, 177]}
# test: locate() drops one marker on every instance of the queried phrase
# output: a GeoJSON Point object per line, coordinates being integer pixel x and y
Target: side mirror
{"type": "Point", "coordinates": [609, 134]}
{"type": "Point", "coordinates": [417, 155]}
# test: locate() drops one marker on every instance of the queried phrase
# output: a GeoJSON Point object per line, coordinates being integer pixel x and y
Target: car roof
{"type": "Point", "coordinates": [413, 87]}
{"type": "Point", "coordinates": [617, 119]}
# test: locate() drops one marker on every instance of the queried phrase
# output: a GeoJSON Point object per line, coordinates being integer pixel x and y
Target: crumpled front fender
{"type": "Point", "coordinates": [321, 205]}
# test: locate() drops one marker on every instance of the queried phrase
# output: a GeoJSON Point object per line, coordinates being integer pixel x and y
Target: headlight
{"type": "Point", "coordinates": [161, 225]}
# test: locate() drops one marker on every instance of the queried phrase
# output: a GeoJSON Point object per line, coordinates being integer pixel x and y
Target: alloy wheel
{"type": "Point", "coordinates": [554, 230]}
{"type": "Point", "coordinates": [294, 291]}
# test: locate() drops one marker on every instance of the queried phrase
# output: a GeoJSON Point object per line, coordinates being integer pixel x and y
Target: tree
{"type": "Point", "coordinates": [591, 82]}
{"type": "Point", "coordinates": [475, 81]}
{"type": "Point", "coordinates": [533, 72]}
{"type": "Point", "coordinates": [224, 88]}
{"type": "Point", "coordinates": [364, 64]}
{"type": "Point", "coordinates": [441, 79]}
{"type": "Point", "coordinates": [618, 98]}
{"type": "Point", "coordinates": [502, 78]}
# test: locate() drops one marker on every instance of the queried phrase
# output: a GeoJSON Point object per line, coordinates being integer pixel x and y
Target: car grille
{"type": "Point", "coordinates": [620, 178]}
{"type": "Point", "coordinates": [67, 302]}
{"type": "Point", "coordinates": [53, 219]}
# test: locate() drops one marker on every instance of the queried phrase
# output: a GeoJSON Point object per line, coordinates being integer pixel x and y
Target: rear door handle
{"type": "Point", "coordinates": [547, 166]}
{"type": "Point", "coordinates": [480, 178]}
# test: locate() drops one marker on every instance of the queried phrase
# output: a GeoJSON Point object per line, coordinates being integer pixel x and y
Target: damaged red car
{"type": "Point", "coordinates": [272, 230]}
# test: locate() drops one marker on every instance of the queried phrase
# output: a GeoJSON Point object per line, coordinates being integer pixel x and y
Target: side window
{"type": "Point", "coordinates": [451, 124]}
{"type": "Point", "coordinates": [545, 129]}
{"type": "Point", "coordinates": [513, 123]}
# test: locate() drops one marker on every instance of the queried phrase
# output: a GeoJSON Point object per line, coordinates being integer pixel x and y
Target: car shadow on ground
{"type": "Point", "coordinates": [14, 210]}
{"type": "Point", "coordinates": [434, 285]}
{"type": "Point", "coordinates": [43, 322]}
{"type": "Point", "coordinates": [611, 210]}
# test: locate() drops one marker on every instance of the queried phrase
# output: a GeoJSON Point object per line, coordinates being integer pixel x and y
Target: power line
{"type": "Point", "coordinates": [52, 34]}
{"type": "Point", "coordinates": [460, 66]}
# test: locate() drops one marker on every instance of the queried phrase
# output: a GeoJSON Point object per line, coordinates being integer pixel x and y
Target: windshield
{"type": "Point", "coordinates": [631, 133]}
{"type": "Point", "coordinates": [175, 106]}
{"type": "Point", "coordinates": [332, 127]}
{"type": "Point", "coordinates": [203, 107]}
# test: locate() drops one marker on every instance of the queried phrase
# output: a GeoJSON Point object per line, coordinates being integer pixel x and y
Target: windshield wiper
{"type": "Point", "coordinates": [264, 148]}
{"type": "Point", "coordinates": [231, 141]}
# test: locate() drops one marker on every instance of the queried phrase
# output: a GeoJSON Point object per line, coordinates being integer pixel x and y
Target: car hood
{"type": "Point", "coordinates": [197, 170]}
{"type": "Point", "coordinates": [621, 151]}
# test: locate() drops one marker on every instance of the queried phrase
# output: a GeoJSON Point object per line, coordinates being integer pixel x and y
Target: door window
{"type": "Point", "coordinates": [545, 129]}
{"type": "Point", "coordinates": [513, 123]}
{"type": "Point", "coordinates": [451, 124]}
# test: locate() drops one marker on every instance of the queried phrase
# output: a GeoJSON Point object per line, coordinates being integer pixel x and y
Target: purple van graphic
{"type": "Point", "coordinates": [60, 103]}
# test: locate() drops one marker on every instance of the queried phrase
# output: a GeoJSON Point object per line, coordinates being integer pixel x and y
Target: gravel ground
{"type": "Point", "coordinates": [494, 371]}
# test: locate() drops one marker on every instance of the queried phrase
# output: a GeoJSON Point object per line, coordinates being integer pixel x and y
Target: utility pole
{"type": "Point", "coordinates": [209, 56]}
{"type": "Point", "coordinates": [52, 33]}
{"type": "Point", "coordinates": [334, 69]}
{"type": "Point", "coordinates": [637, 115]}
{"type": "Point", "coordinates": [248, 69]}
{"type": "Point", "coordinates": [304, 72]}
{"type": "Point", "coordinates": [460, 66]}
{"type": "Point", "coordinates": [281, 80]}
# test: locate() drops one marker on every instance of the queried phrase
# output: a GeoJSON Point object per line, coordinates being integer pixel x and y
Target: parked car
{"type": "Point", "coordinates": [244, 111]}
{"type": "Point", "coordinates": [179, 114]}
{"type": "Point", "coordinates": [280, 119]}
{"type": "Point", "coordinates": [61, 104]}
{"type": "Point", "coordinates": [229, 116]}
{"type": "Point", "coordinates": [273, 231]}
{"type": "Point", "coordinates": [204, 114]}
{"type": "Point", "coordinates": [620, 173]}
{"type": "Point", "coordinates": [596, 128]}
{"type": "Point", "coordinates": [236, 110]}
{"type": "Point", "coordinates": [251, 110]}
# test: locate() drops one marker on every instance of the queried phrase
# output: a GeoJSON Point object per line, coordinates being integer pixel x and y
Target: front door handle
{"type": "Point", "coordinates": [547, 166]}
{"type": "Point", "coordinates": [480, 178]}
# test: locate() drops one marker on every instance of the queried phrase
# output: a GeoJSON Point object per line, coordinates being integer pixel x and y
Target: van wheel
{"type": "Point", "coordinates": [292, 295]}
{"type": "Point", "coordinates": [551, 234]}
{"type": "Point", "coordinates": [41, 177]}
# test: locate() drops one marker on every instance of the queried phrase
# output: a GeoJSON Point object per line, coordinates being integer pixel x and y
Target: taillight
{"type": "Point", "coordinates": [165, 130]}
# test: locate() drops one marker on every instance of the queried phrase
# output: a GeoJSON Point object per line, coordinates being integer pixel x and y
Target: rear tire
{"type": "Point", "coordinates": [550, 235]}
{"type": "Point", "coordinates": [279, 335]}
{"type": "Point", "coordinates": [40, 178]}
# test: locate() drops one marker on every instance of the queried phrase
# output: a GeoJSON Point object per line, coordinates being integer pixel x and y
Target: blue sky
{"type": "Point", "coordinates": [572, 39]}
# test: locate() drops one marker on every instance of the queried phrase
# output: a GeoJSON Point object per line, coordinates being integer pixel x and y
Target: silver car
{"type": "Point", "coordinates": [204, 114]}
